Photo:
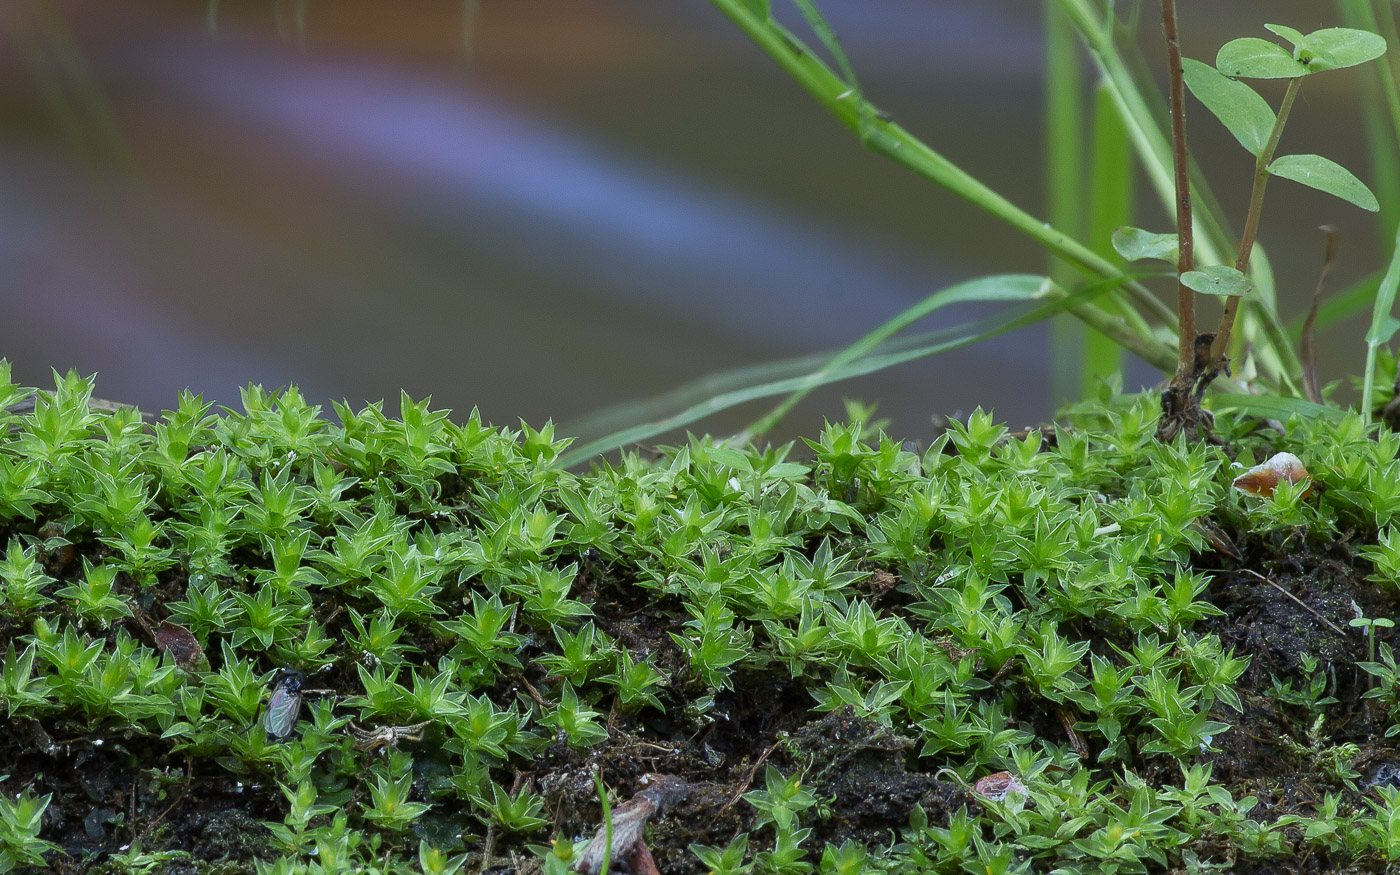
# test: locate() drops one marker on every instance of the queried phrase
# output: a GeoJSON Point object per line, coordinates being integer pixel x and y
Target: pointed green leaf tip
{"type": "Point", "coordinates": [1217, 279]}
{"type": "Point", "coordinates": [1332, 48]}
{"type": "Point", "coordinates": [1325, 175]}
{"type": "Point", "coordinates": [1243, 112]}
{"type": "Point", "coordinates": [1293, 36]}
{"type": "Point", "coordinates": [1135, 244]}
{"type": "Point", "coordinates": [1389, 325]}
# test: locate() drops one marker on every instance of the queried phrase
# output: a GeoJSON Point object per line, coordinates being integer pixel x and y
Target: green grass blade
{"type": "Point", "coordinates": [1064, 186]}
{"type": "Point", "coordinates": [1010, 287]}
{"type": "Point", "coordinates": [1110, 207]}
{"type": "Point", "coordinates": [818, 24]}
{"type": "Point", "coordinates": [68, 85]}
{"type": "Point", "coordinates": [1385, 158]}
{"type": "Point", "coordinates": [641, 421]}
{"type": "Point", "coordinates": [607, 821]}
{"type": "Point", "coordinates": [1381, 104]}
{"type": "Point", "coordinates": [1274, 407]}
{"type": "Point", "coordinates": [891, 140]}
{"type": "Point", "coordinates": [1382, 325]}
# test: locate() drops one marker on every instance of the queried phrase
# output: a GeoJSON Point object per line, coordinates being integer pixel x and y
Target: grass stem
{"type": "Point", "coordinates": [893, 141]}
{"type": "Point", "coordinates": [1221, 346]}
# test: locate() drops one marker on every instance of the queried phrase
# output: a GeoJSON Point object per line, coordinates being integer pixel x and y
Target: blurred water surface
{"type": "Point", "coordinates": [543, 207]}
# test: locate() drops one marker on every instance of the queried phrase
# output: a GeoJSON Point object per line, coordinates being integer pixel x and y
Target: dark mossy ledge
{"type": "Point", "coordinates": [835, 647]}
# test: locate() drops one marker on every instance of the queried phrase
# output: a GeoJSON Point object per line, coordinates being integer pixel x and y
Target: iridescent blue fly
{"type": "Point", "coordinates": [280, 718]}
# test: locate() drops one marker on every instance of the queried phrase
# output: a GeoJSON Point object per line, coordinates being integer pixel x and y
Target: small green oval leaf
{"type": "Point", "coordinates": [1325, 175]}
{"type": "Point", "coordinates": [1239, 107]}
{"type": "Point", "coordinates": [1254, 58]}
{"type": "Point", "coordinates": [1384, 331]}
{"type": "Point", "coordinates": [1217, 279]}
{"type": "Point", "coordinates": [1293, 36]}
{"type": "Point", "coordinates": [1339, 47]}
{"type": "Point", "coordinates": [1135, 244]}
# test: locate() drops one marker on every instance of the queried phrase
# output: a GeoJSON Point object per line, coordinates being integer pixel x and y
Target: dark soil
{"type": "Point", "coordinates": [111, 791]}
{"type": "Point", "coordinates": [1278, 754]}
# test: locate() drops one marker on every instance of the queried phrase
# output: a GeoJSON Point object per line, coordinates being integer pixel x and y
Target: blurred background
{"type": "Point", "coordinates": [541, 208]}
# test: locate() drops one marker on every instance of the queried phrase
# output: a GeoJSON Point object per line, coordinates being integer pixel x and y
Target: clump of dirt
{"type": "Point", "coordinates": [111, 790]}
{"type": "Point", "coordinates": [857, 768]}
{"type": "Point", "coordinates": [862, 767]}
{"type": "Point", "coordinates": [1281, 605]}
{"type": "Point", "coordinates": [1285, 602]}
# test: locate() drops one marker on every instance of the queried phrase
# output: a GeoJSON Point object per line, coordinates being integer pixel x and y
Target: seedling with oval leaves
{"type": "Point", "coordinates": [1259, 129]}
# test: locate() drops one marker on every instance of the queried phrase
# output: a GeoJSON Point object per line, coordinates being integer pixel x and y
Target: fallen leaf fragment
{"type": "Point", "coordinates": [1262, 479]}
{"type": "Point", "coordinates": [179, 642]}
{"type": "Point", "coordinates": [998, 785]}
{"type": "Point", "coordinates": [385, 737]}
{"type": "Point", "coordinates": [629, 820]}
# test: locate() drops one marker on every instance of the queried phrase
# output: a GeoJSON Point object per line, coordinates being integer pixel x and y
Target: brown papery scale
{"type": "Point", "coordinates": [998, 786]}
{"type": "Point", "coordinates": [1261, 480]}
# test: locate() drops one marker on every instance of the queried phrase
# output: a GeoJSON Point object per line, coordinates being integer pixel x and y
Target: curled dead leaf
{"type": "Point", "coordinates": [628, 851]}
{"type": "Point", "coordinates": [1262, 479]}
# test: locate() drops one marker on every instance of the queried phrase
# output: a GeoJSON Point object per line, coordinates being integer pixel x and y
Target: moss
{"type": "Point", "coordinates": [853, 626]}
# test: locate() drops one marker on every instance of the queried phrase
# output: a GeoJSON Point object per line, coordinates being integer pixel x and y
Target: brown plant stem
{"type": "Point", "coordinates": [1185, 256]}
{"type": "Point", "coordinates": [1221, 344]}
{"type": "Point", "coordinates": [1311, 386]}
{"type": "Point", "coordinates": [1180, 400]}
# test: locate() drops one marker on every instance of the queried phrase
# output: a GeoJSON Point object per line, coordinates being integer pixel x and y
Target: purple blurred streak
{"type": "Point", "coordinates": [553, 200]}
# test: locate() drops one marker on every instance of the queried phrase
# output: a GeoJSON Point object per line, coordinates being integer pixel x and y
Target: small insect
{"type": "Point", "coordinates": [280, 718]}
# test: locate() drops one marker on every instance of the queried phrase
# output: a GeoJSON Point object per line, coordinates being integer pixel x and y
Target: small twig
{"type": "Point", "coordinates": [184, 789]}
{"type": "Point", "coordinates": [1076, 741]}
{"type": "Point", "coordinates": [1185, 258]}
{"type": "Point", "coordinates": [748, 779]}
{"type": "Point", "coordinates": [1220, 348]}
{"type": "Point", "coordinates": [1304, 605]}
{"type": "Point", "coordinates": [1309, 354]}
{"type": "Point", "coordinates": [489, 847]}
{"type": "Point", "coordinates": [534, 693]}
{"type": "Point", "coordinates": [1002, 672]}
